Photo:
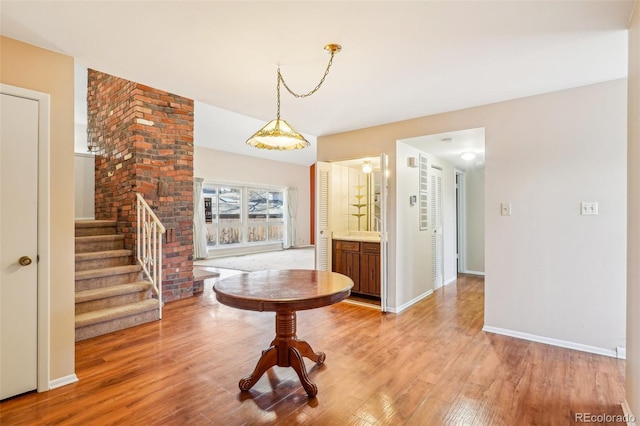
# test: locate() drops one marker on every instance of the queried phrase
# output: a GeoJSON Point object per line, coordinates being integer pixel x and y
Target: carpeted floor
{"type": "Point", "coordinates": [294, 258]}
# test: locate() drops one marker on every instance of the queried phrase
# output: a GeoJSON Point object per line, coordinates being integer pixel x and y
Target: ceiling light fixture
{"type": "Point", "coordinates": [366, 167]}
{"type": "Point", "coordinates": [278, 134]}
{"type": "Point", "coordinates": [468, 156]}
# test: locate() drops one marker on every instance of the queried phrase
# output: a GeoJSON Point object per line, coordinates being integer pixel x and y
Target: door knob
{"type": "Point", "coordinates": [25, 261]}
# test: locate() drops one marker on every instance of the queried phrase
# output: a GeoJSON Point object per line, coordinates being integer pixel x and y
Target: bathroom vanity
{"type": "Point", "coordinates": [358, 257]}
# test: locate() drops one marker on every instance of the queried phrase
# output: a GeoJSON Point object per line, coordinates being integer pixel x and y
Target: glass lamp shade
{"type": "Point", "coordinates": [278, 135]}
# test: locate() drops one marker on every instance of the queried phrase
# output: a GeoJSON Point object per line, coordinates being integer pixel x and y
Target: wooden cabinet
{"type": "Point", "coordinates": [360, 261]}
{"type": "Point", "coordinates": [346, 261]}
{"type": "Point", "coordinates": [370, 269]}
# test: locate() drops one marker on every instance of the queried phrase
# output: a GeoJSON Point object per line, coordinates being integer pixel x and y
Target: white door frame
{"type": "Point", "coordinates": [384, 233]}
{"type": "Point", "coordinates": [44, 269]}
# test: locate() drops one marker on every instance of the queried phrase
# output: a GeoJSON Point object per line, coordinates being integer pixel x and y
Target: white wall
{"type": "Point", "coordinates": [633, 271]}
{"type": "Point", "coordinates": [474, 218]}
{"type": "Point", "coordinates": [223, 166]}
{"type": "Point", "coordinates": [339, 210]}
{"type": "Point", "coordinates": [85, 186]}
{"type": "Point", "coordinates": [550, 272]}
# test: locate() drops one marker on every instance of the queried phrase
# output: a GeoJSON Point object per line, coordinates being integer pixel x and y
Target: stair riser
{"type": "Point", "coordinates": [109, 280]}
{"type": "Point", "coordinates": [98, 230]}
{"type": "Point", "coordinates": [85, 265]}
{"type": "Point", "coordinates": [84, 333]}
{"type": "Point", "coordinates": [109, 302]}
{"type": "Point", "coordinates": [90, 246]}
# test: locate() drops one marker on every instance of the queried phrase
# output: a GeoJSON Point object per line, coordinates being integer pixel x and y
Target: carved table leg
{"type": "Point", "coordinates": [306, 351]}
{"type": "Point", "coordinates": [297, 363]}
{"type": "Point", "coordinates": [268, 359]}
{"type": "Point", "coordinates": [286, 351]}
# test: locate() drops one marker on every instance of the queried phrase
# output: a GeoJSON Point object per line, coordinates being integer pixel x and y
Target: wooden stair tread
{"type": "Point", "coordinates": [114, 290]}
{"type": "Point", "coordinates": [114, 313]}
{"type": "Point", "coordinates": [103, 272]}
{"type": "Point", "coordinates": [103, 254]}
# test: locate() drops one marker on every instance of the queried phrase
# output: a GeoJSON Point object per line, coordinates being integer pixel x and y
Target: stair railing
{"type": "Point", "coordinates": [149, 246]}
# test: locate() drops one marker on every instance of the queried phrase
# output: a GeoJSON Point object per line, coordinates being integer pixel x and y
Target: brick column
{"type": "Point", "coordinates": [144, 139]}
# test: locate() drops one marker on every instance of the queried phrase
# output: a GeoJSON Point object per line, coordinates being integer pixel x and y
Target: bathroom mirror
{"type": "Point", "coordinates": [364, 180]}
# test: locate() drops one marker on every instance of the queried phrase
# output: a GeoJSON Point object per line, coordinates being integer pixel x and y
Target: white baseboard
{"type": "Point", "coordinates": [409, 303]}
{"type": "Point", "coordinates": [621, 352]}
{"type": "Point", "coordinates": [63, 381]}
{"type": "Point", "coordinates": [626, 411]}
{"type": "Point", "coordinates": [453, 279]}
{"type": "Point", "coordinates": [550, 341]}
{"type": "Point", "coordinates": [474, 273]}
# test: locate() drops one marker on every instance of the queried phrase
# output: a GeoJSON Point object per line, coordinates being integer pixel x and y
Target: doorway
{"type": "Point", "coordinates": [351, 216]}
{"type": "Point", "coordinates": [460, 155]}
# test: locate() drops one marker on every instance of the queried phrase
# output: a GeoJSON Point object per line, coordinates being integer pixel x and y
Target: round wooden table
{"type": "Point", "coordinates": [284, 292]}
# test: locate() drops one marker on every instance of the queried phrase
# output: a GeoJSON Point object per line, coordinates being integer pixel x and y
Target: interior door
{"type": "Point", "coordinates": [323, 216]}
{"type": "Point", "coordinates": [18, 246]}
{"type": "Point", "coordinates": [437, 238]}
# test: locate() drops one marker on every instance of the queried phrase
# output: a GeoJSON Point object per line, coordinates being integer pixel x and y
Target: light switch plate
{"type": "Point", "coordinates": [505, 209]}
{"type": "Point", "coordinates": [589, 208]}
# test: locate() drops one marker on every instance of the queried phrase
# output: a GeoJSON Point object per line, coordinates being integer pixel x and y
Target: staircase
{"type": "Point", "coordinates": [111, 293]}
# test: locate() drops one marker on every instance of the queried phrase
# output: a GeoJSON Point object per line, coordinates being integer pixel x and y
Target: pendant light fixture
{"type": "Point", "coordinates": [278, 134]}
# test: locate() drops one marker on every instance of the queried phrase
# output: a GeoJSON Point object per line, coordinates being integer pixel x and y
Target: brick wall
{"type": "Point", "coordinates": [144, 140]}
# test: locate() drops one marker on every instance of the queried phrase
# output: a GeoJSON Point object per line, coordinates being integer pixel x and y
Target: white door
{"type": "Point", "coordinates": [18, 246]}
{"type": "Point", "coordinates": [323, 216]}
{"type": "Point", "coordinates": [437, 238]}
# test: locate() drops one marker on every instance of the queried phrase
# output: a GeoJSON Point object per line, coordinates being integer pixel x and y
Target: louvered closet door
{"type": "Point", "coordinates": [323, 205]}
{"type": "Point", "coordinates": [437, 238]}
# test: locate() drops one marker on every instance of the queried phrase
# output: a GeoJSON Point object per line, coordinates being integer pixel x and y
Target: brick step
{"type": "Point", "coordinates": [95, 227]}
{"type": "Point", "coordinates": [99, 243]}
{"type": "Point", "coordinates": [200, 274]}
{"type": "Point", "coordinates": [108, 297]}
{"type": "Point", "coordinates": [103, 259]}
{"type": "Point", "coordinates": [103, 321]}
{"type": "Point", "coordinates": [104, 277]}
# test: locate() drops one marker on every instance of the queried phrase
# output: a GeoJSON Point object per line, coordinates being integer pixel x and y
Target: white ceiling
{"type": "Point", "coordinates": [399, 60]}
{"type": "Point", "coordinates": [451, 145]}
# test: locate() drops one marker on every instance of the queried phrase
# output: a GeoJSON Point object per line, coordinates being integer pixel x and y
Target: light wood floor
{"type": "Point", "coordinates": [429, 365]}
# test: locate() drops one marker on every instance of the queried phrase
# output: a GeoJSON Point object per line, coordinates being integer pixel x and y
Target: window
{"type": "Point", "coordinates": [241, 215]}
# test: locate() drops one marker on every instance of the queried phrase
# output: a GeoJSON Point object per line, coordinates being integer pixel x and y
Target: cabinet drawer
{"type": "Point", "coordinates": [347, 245]}
{"type": "Point", "coordinates": [373, 248]}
